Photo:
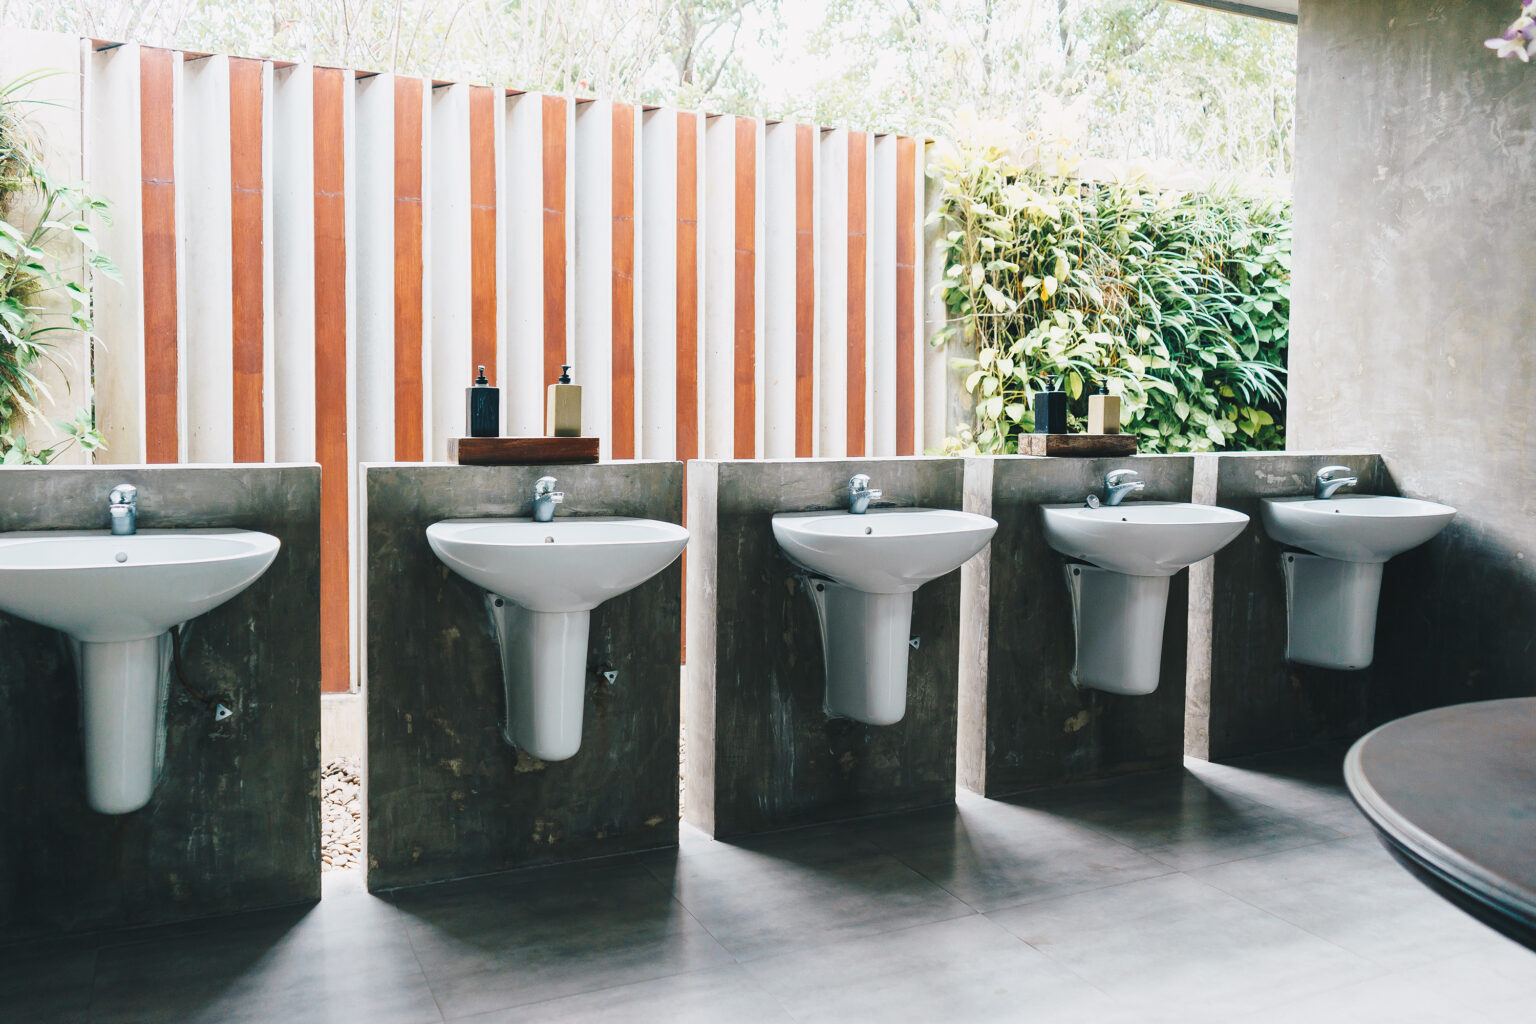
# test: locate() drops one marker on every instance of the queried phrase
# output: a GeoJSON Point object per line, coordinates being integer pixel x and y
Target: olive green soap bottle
{"type": "Point", "coordinates": [562, 410]}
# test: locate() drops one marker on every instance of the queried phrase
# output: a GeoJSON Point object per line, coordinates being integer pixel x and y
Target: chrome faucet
{"type": "Point", "coordinates": [1120, 482]}
{"type": "Point", "coordinates": [545, 498]}
{"type": "Point", "coordinates": [860, 494]}
{"type": "Point", "coordinates": [1329, 481]}
{"type": "Point", "coordinates": [123, 510]}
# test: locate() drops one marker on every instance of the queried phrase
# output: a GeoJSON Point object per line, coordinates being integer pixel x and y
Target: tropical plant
{"type": "Point", "coordinates": [1178, 302]}
{"type": "Point", "coordinates": [44, 229]}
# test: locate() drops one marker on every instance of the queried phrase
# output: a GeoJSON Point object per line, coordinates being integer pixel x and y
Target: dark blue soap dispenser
{"type": "Point", "coordinates": [1051, 408]}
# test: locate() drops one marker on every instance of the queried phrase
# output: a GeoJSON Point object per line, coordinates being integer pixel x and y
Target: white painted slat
{"type": "Point", "coordinates": [869, 294]}
{"type": "Point", "coordinates": [523, 253]}
{"type": "Point", "coordinates": [293, 259]}
{"type": "Point", "coordinates": [592, 281]}
{"type": "Point", "coordinates": [112, 163]}
{"type": "Point", "coordinates": [832, 291]}
{"type": "Point", "coordinates": [451, 322]}
{"type": "Point", "coordinates": [375, 235]}
{"type": "Point", "coordinates": [759, 293]}
{"type": "Point", "coordinates": [718, 299]}
{"type": "Point", "coordinates": [882, 296]}
{"type": "Point", "coordinates": [776, 298]}
{"type": "Point", "coordinates": [638, 309]}
{"type": "Point", "coordinates": [656, 347]}
{"type": "Point", "coordinates": [818, 254]}
{"type": "Point", "coordinates": [204, 236]}
{"type": "Point", "coordinates": [354, 518]}
{"type": "Point", "coordinates": [268, 269]}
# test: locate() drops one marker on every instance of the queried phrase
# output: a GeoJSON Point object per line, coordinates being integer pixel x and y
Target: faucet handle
{"type": "Point", "coordinates": [544, 485]}
{"type": "Point", "coordinates": [1327, 473]}
{"type": "Point", "coordinates": [124, 494]}
{"type": "Point", "coordinates": [858, 482]}
{"type": "Point", "coordinates": [1115, 476]}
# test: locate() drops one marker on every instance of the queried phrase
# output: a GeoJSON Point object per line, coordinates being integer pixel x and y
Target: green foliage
{"type": "Point", "coordinates": [1179, 302]}
{"type": "Point", "coordinates": [44, 227]}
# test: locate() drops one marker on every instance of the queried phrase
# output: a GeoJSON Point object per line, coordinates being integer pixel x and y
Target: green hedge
{"type": "Point", "coordinates": [1179, 301]}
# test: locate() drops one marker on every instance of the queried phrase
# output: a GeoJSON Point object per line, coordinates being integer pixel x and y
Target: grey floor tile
{"type": "Point", "coordinates": [1352, 893]}
{"type": "Point", "coordinates": [701, 997]}
{"type": "Point", "coordinates": [1304, 784]}
{"type": "Point", "coordinates": [533, 936]}
{"type": "Point", "coordinates": [967, 969]}
{"type": "Point", "coordinates": [1180, 818]}
{"type": "Point", "coordinates": [798, 891]}
{"type": "Point", "coordinates": [46, 983]}
{"type": "Point", "coordinates": [1172, 946]}
{"type": "Point", "coordinates": [346, 960]}
{"type": "Point", "coordinates": [993, 854]}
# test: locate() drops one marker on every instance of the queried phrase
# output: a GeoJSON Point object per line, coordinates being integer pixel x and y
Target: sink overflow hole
{"type": "Point", "coordinates": [869, 529]}
{"type": "Point", "coordinates": [549, 540]}
{"type": "Point", "coordinates": [122, 556]}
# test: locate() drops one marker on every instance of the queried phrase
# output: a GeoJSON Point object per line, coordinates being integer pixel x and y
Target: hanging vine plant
{"type": "Point", "coordinates": [47, 248]}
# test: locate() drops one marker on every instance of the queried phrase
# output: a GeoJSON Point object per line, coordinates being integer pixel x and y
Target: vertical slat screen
{"type": "Point", "coordinates": [159, 71]}
{"type": "Point", "coordinates": [249, 212]}
{"type": "Point", "coordinates": [331, 334]}
{"type": "Point", "coordinates": [315, 260]}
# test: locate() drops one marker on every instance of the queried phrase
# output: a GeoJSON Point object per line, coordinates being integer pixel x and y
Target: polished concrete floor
{"type": "Point", "coordinates": [1215, 893]}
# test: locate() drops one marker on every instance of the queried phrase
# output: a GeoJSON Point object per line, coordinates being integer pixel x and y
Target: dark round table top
{"type": "Point", "coordinates": [1452, 793]}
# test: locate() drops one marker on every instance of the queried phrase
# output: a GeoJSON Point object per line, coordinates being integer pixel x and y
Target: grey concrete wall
{"type": "Point", "coordinates": [234, 822]}
{"type": "Point", "coordinates": [1024, 723]}
{"type": "Point", "coordinates": [762, 753]}
{"type": "Point", "coordinates": [447, 797]}
{"type": "Point", "coordinates": [1244, 698]}
{"type": "Point", "coordinates": [1413, 317]}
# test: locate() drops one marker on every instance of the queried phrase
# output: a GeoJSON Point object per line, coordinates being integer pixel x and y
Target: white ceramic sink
{"type": "Point", "coordinates": [117, 597]}
{"type": "Point", "coordinates": [1354, 527]}
{"type": "Point", "coordinates": [862, 571]}
{"type": "Point", "coordinates": [885, 550]}
{"type": "Point", "coordinates": [543, 580]}
{"type": "Point", "coordinates": [1141, 538]}
{"type": "Point", "coordinates": [103, 589]}
{"type": "Point", "coordinates": [1332, 593]}
{"type": "Point", "coordinates": [565, 565]}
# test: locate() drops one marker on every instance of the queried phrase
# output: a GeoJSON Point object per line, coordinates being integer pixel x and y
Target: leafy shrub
{"type": "Point", "coordinates": [1178, 302]}
{"type": "Point", "coordinates": [39, 266]}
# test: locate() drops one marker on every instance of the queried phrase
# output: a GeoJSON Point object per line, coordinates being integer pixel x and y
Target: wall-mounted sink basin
{"type": "Point", "coordinates": [1120, 599]}
{"type": "Point", "coordinates": [117, 597]}
{"type": "Point", "coordinates": [1354, 527]}
{"type": "Point", "coordinates": [1142, 538]}
{"type": "Point", "coordinates": [543, 580]}
{"type": "Point", "coordinates": [861, 572]}
{"type": "Point", "coordinates": [884, 551]}
{"type": "Point", "coordinates": [1333, 585]}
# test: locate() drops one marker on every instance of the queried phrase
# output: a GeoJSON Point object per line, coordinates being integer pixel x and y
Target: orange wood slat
{"type": "Point", "coordinates": [623, 327]}
{"type": "Point", "coordinates": [409, 442]}
{"type": "Point", "coordinates": [858, 226]}
{"type": "Point", "coordinates": [554, 114]}
{"type": "Point", "coordinates": [906, 259]}
{"type": "Point", "coordinates": [331, 440]}
{"type": "Point", "coordinates": [158, 199]}
{"type": "Point", "coordinates": [805, 290]}
{"type": "Point", "coordinates": [247, 230]}
{"type": "Point", "coordinates": [746, 297]}
{"type": "Point", "coordinates": [482, 228]}
{"type": "Point", "coordinates": [687, 286]}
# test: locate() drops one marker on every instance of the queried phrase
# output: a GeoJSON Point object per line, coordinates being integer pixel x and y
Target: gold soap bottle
{"type": "Point", "coordinates": [1103, 411]}
{"type": "Point", "coordinates": [562, 410]}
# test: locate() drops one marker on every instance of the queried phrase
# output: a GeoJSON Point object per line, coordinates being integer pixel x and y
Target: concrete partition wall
{"type": "Point", "coordinates": [1022, 722]}
{"type": "Point", "coordinates": [447, 796]}
{"type": "Point", "coordinates": [1245, 698]}
{"type": "Point", "coordinates": [762, 753]}
{"type": "Point", "coordinates": [234, 823]}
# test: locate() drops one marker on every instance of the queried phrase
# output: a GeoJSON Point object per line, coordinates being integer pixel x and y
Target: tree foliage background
{"type": "Point", "coordinates": [1143, 78]}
